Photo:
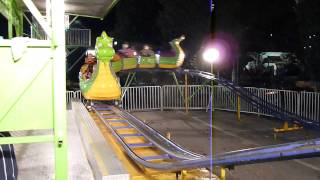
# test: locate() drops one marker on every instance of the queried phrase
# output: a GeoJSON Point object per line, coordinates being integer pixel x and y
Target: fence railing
{"type": "Point", "coordinates": [198, 96]}
{"type": "Point", "coordinates": [74, 95]}
{"type": "Point", "coordinates": [304, 104]}
{"type": "Point", "coordinates": [141, 98]}
{"type": "Point", "coordinates": [78, 37]}
{"type": "Point", "coordinates": [74, 37]}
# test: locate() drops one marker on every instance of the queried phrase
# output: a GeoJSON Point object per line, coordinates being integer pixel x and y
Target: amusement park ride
{"type": "Point", "coordinates": [40, 86]}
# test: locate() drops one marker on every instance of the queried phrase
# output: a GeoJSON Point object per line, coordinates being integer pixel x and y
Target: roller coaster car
{"type": "Point", "coordinates": [163, 60]}
{"type": "Point", "coordinates": [98, 80]}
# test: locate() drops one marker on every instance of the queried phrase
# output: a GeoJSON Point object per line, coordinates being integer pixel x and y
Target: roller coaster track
{"type": "Point", "coordinates": [251, 98]}
{"type": "Point", "coordinates": [134, 135]}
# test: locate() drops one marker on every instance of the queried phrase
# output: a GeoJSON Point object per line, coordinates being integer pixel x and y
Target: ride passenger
{"type": "Point", "coordinates": [126, 51]}
{"type": "Point", "coordinates": [147, 51]}
{"type": "Point", "coordinates": [89, 67]}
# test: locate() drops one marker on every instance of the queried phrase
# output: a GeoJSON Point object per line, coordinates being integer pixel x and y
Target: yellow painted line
{"type": "Point", "coordinates": [136, 172]}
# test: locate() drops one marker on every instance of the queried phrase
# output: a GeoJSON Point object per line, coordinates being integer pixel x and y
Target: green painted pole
{"type": "Point", "coordinates": [127, 80]}
{"type": "Point", "coordinates": [20, 28]}
{"type": "Point", "coordinates": [10, 19]}
{"type": "Point", "coordinates": [26, 139]}
{"type": "Point", "coordinates": [132, 77]}
{"type": "Point", "coordinates": [37, 34]}
{"type": "Point", "coordinates": [198, 89]}
{"type": "Point", "coordinates": [177, 83]}
{"type": "Point", "coordinates": [59, 90]}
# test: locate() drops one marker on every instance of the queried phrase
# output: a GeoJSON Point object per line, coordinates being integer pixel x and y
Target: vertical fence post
{"type": "Point", "coordinates": [161, 98]}
{"type": "Point", "coordinates": [186, 92]}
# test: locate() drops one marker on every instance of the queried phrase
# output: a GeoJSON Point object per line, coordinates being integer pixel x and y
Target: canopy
{"type": "Point", "coordinates": [89, 8]}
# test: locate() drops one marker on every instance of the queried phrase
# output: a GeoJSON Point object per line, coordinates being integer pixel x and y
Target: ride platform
{"type": "Point", "coordinates": [36, 161]}
{"type": "Point", "coordinates": [130, 169]}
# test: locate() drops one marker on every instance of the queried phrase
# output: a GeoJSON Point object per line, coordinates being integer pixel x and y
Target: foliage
{"type": "Point", "coordinates": [308, 13]}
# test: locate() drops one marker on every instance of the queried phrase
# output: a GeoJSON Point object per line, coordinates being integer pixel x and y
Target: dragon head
{"type": "Point", "coordinates": [104, 49]}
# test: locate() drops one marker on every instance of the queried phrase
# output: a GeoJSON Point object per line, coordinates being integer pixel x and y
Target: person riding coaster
{"type": "Point", "coordinates": [126, 51]}
{"type": "Point", "coordinates": [101, 83]}
{"type": "Point", "coordinates": [148, 59]}
{"type": "Point", "coordinates": [90, 65]}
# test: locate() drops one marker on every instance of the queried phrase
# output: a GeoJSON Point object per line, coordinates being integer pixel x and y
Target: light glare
{"type": "Point", "coordinates": [211, 55]}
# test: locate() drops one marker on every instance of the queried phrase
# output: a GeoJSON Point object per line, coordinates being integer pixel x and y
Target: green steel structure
{"type": "Point", "coordinates": [33, 82]}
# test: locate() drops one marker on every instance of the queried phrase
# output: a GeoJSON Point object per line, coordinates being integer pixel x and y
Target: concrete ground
{"type": "Point", "coordinates": [192, 132]}
{"type": "Point", "coordinates": [36, 161]}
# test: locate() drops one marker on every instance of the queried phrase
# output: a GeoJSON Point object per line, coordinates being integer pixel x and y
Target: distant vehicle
{"type": "Point", "coordinates": [271, 68]}
{"type": "Point", "coordinates": [274, 61]}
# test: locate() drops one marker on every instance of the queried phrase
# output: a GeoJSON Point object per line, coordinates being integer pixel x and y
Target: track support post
{"type": "Point", "coordinates": [223, 173]}
{"type": "Point", "coordinates": [238, 107]}
{"type": "Point", "coordinates": [285, 128]}
{"type": "Point", "coordinates": [184, 174]}
{"type": "Point", "coordinates": [168, 135]}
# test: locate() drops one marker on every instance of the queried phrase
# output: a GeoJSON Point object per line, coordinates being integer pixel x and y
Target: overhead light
{"type": "Point", "coordinates": [211, 55]}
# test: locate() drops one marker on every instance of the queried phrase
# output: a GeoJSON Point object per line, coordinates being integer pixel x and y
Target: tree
{"type": "Point", "coordinates": [308, 13]}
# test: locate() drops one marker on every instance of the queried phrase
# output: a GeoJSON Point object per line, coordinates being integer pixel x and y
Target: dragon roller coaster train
{"type": "Point", "coordinates": [103, 83]}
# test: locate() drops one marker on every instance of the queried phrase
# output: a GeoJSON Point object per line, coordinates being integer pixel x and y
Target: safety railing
{"type": "Point", "coordinates": [76, 95]}
{"type": "Point", "coordinates": [78, 37]}
{"type": "Point", "coordinates": [141, 98]}
{"type": "Point", "coordinates": [174, 96]}
{"type": "Point", "coordinates": [304, 104]}
{"type": "Point", "coordinates": [74, 37]}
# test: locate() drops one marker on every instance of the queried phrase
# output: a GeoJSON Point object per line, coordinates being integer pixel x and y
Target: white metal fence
{"type": "Point", "coordinates": [173, 96]}
{"type": "Point", "coordinates": [78, 37]}
{"type": "Point", "coordinates": [76, 95]}
{"type": "Point", "coordinates": [141, 98]}
{"type": "Point", "coordinates": [74, 37]}
{"type": "Point", "coordinates": [305, 104]}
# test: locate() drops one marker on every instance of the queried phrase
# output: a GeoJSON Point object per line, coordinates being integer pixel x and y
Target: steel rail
{"type": "Point", "coordinates": [174, 150]}
{"type": "Point", "coordinates": [295, 150]}
{"type": "Point", "coordinates": [156, 138]}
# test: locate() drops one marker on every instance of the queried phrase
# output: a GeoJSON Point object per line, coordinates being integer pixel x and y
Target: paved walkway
{"type": "Point", "coordinates": [36, 161]}
{"type": "Point", "coordinates": [192, 132]}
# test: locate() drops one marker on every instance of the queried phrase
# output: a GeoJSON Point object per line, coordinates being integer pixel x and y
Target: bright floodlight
{"type": "Point", "coordinates": [211, 55]}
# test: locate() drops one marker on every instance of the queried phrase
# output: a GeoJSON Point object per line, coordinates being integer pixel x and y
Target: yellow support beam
{"type": "Point", "coordinates": [184, 175]}
{"type": "Point", "coordinates": [238, 107]}
{"type": "Point", "coordinates": [168, 135]}
{"type": "Point", "coordinates": [223, 173]}
{"type": "Point", "coordinates": [285, 128]}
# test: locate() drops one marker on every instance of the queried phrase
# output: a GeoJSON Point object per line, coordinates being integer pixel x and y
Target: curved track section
{"type": "Point", "coordinates": [171, 157]}
{"type": "Point", "coordinates": [251, 98]}
{"type": "Point", "coordinates": [258, 102]}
